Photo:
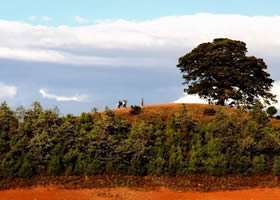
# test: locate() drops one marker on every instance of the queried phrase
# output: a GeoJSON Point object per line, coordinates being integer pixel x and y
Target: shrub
{"type": "Point", "coordinates": [156, 166]}
{"type": "Point", "coordinates": [135, 110]}
{"type": "Point", "coordinates": [244, 164]}
{"type": "Point", "coordinates": [209, 111]}
{"type": "Point", "coordinates": [70, 159]}
{"type": "Point", "coordinates": [137, 168]}
{"type": "Point", "coordinates": [276, 166]}
{"type": "Point", "coordinates": [216, 165]}
{"type": "Point", "coordinates": [10, 164]}
{"type": "Point", "coordinates": [196, 161]}
{"type": "Point", "coordinates": [95, 166]}
{"type": "Point", "coordinates": [55, 167]}
{"type": "Point", "coordinates": [271, 111]}
{"type": "Point", "coordinates": [176, 163]}
{"type": "Point", "coordinates": [81, 165]}
{"type": "Point", "coordinates": [259, 164]}
{"type": "Point", "coordinates": [26, 170]}
{"type": "Point", "coordinates": [278, 117]}
{"type": "Point", "coordinates": [258, 115]}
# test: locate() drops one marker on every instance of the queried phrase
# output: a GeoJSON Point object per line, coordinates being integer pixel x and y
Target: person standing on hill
{"type": "Point", "coordinates": [142, 101]}
{"type": "Point", "coordinates": [120, 104]}
{"type": "Point", "coordinates": [124, 103]}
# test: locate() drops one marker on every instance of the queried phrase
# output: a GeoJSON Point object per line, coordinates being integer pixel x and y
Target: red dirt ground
{"type": "Point", "coordinates": [54, 193]}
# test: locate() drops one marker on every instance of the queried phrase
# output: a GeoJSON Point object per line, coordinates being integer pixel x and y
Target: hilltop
{"type": "Point", "coordinates": [162, 111]}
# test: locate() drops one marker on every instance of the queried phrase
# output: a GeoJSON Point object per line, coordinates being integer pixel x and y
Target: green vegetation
{"type": "Point", "coordinates": [271, 110]}
{"type": "Point", "coordinates": [209, 111]}
{"type": "Point", "coordinates": [40, 142]}
{"type": "Point", "coordinates": [135, 110]}
{"type": "Point", "coordinates": [220, 72]}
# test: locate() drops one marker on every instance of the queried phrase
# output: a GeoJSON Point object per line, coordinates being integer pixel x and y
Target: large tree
{"type": "Point", "coordinates": [220, 72]}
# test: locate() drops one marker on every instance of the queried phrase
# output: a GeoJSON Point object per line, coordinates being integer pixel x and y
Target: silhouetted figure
{"type": "Point", "coordinates": [120, 104]}
{"type": "Point", "coordinates": [142, 101]}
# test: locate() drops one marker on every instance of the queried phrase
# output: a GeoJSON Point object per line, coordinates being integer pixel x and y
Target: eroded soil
{"type": "Point", "coordinates": [123, 193]}
{"type": "Point", "coordinates": [110, 187]}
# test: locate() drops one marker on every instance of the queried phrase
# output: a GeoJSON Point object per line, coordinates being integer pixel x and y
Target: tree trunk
{"type": "Point", "coordinates": [221, 101]}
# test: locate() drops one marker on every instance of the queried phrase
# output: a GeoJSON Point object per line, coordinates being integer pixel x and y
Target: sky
{"type": "Point", "coordinates": [83, 54]}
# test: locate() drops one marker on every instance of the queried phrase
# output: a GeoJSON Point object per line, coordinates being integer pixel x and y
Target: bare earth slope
{"type": "Point", "coordinates": [54, 193]}
{"type": "Point", "coordinates": [162, 111]}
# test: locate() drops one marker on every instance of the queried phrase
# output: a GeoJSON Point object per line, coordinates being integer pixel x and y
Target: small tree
{"type": "Point", "coordinates": [271, 111]}
{"type": "Point", "coordinates": [258, 115]}
{"type": "Point", "coordinates": [26, 170]}
{"type": "Point", "coordinates": [259, 164]}
{"type": "Point", "coordinates": [276, 166]}
{"type": "Point", "coordinates": [55, 166]}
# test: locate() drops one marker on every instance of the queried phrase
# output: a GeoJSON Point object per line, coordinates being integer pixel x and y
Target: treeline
{"type": "Point", "coordinates": [40, 142]}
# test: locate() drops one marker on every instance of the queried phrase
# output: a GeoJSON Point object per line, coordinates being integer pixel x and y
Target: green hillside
{"type": "Point", "coordinates": [161, 140]}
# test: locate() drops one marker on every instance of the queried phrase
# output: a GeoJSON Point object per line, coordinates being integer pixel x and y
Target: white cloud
{"type": "Point", "coordinates": [195, 98]}
{"type": "Point", "coordinates": [191, 99]}
{"type": "Point", "coordinates": [46, 18]}
{"type": "Point", "coordinates": [7, 91]}
{"type": "Point", "coordinates": [77, 98]}
{"type": "Point", "coordinates": [276, 90]}
{"type": "Point", "coordinates": [130, 43]}
{"type": "Point", "coordinates": [81, 20]}
{"type": "Point", "coordinates": [32, 18]}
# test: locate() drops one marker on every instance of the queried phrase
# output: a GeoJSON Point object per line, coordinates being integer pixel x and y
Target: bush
{"type": "Point", "coordinates": [196, 162]}
{"type": "Point", "coordinates": [278, 117]}
{"type": "Point", "coordinates": [271, 111]}
{"type": "Point", "coordinates": [135, 110]}
{"type": "Point", "coordinates": [156, 166]}
{"type": "Point", "coordinates": [176, 163]}
{"type": "Point", "coordinates": [95, 167]}
{"type": "Point", "coordinates": [259, 164]}
{"type": "Point", "coordinates": [240, 164]}
{"type": "Point", "coordinates": [137, 168]}
{"type": "Point", "coordinates": [55, 167]}
{"type": "Point", "coordinates": [209, 111]}
{"type": "Point", "coordinates": [216, 165]}
{"type": "Point", "coordinates": [26, 170]}
{"type": "Point", "coordinates": [276, 166]}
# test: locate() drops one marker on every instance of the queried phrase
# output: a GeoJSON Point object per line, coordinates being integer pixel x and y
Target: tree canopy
{"type": "Point", "coordinates": [220, 72]}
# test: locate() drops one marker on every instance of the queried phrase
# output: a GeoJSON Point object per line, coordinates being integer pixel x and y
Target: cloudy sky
{"type": "Point", "coordinates": [82, 54]}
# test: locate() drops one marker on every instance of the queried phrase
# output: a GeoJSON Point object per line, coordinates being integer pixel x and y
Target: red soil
{"type": "Point", "coordinates": [54, 193]}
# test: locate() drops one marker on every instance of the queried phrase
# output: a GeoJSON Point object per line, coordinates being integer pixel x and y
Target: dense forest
{"type": "Point", "coordinates": [35, 141]}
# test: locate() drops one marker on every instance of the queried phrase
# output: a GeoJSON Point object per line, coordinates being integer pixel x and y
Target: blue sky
{"type": "Point", "coordinates": [63, 11]}
{"type": "Point", "coordinates": [82, 54]}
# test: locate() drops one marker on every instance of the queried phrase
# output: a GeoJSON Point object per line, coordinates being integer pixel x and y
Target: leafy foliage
{"type": "Point", "coordinates": [276, 166]}
{"type": "Point", "coordinates": [259, 164]}
{"type": "Point", "coordinates": [40, 142]}
{"type": "Point", "coordinates": [271, 110]}
{"type": "Point", "coordinates": [135, 110]}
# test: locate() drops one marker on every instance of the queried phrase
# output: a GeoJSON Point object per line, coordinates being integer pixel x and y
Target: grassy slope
{"type": "Point", "coordinates": [162, 111]}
